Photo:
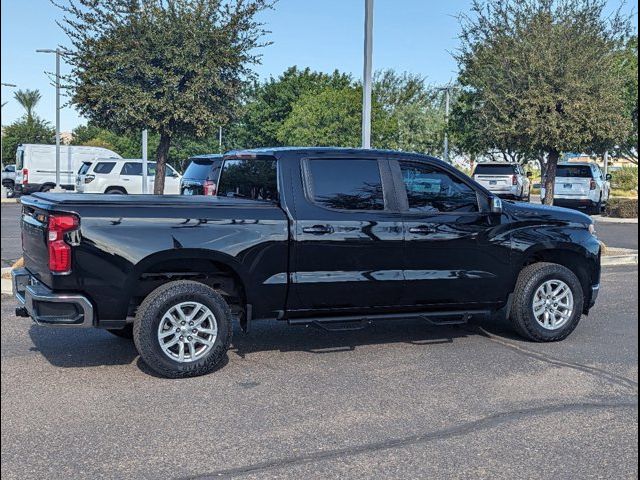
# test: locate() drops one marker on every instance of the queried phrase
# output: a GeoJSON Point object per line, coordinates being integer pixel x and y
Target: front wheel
{"type": "Point", "coordinates": [183, 329]}
{"type": "Point", "coordinates": [11, 192]}
{"type": "Point", "coordinates": [548, 302]}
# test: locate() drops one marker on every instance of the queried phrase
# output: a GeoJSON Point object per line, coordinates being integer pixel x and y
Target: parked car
{"type": "Point", "coordinates": [507, 180]}
{"type": "Point", "coordinates": [201, 175]}
{"type": "Point", "coordinates": [582, 186]}
{"type": "Point", "coordinates": [36, 165]}
{"type": "Point", "coordinates": [122, 177]}
{"type": "Point", "coordinates": [9, 179]}
{"type": "Point", "coordinates": [319, 236]}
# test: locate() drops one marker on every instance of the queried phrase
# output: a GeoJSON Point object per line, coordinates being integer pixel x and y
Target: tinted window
{"type": "Point", "coordinates": [255, 179]}
{"type": "Point", "coordinates": [10, 168]}
{"type": "Point", "coordinates": [103, 167]}
{"type": "Point", "coordinates": [346, 184]}
{"type": "Point", "coordinates": [132, 168]}
{"type": "Point", "coordinates": [505, 169]}
{"type": "Point", "coordinates": [430, 189]}
{"type": "Point", "coordinates": [84, 168]}
{"type": "Point", "coordinates": [198, 169]}
{"type": "Point", "coordinates": [580, 171]}
{"type": "Point", "coordinates": [19, 159]}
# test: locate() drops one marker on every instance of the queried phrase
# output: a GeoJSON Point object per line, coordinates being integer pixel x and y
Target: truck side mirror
{"type": "Point", "coordinates": [495, 205]}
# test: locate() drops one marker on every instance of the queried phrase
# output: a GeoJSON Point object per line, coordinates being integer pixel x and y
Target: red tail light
{"type": "Point", "coordinates": [210, 188]}
{"type": "Point", "coordinates": [592, 185]}
{"type": "Point", "coordinates": [25, 176]}
{"type": "Point", "coordinates": [59, 250]}
{"type": "Point", "coordinates": [514, 180]}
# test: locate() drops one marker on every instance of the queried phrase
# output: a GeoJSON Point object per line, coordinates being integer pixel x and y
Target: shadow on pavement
{"type": "Point", "coordinates": [69, 348]}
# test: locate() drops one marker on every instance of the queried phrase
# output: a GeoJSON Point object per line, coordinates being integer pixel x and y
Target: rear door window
{"type": "Point", "coordinates": [505, 169]}
{"type": "Point", "coordinates": [103, 167]}
{"type": "Point", "coordinates": [198, 169]}
{"type": "Point", "coordinates": [578, 171]}
{"type": "Point", "coordinates": [349, 184]}
{"type": "Point", "coordinates": [255, 179]}
{"type": "Point", "coordinates": [132, 168]}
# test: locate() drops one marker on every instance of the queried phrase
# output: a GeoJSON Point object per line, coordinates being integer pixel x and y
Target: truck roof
{"type": "Point", "coordinates": [279, 151]}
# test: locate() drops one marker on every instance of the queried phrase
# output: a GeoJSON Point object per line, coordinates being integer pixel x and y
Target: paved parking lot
{"type": "Point", "coordinates": [397, 400]}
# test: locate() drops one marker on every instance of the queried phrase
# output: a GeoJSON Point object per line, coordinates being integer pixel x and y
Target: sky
{"type": "Point", "coordinates": [417, 36]}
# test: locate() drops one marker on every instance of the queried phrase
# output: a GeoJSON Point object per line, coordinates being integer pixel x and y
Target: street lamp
{"type": "Point", "coordinates": [58, 53]}
{"type": "Point", "coordinates": [367, 80]}
{"type": "Point", "coordinates": [447, 103]}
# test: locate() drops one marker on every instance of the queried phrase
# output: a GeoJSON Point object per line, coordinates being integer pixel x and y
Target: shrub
{"type": "Point", "coordinates": [622, 208]}
{"type": "Point", "coordinates": [625, 179]}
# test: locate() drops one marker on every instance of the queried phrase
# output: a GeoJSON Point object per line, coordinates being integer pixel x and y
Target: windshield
{"type": "Point", "coordinates": [579, 171]}
{"type": "Point", "coordinates": [198, 169]}
{"type": "Point", "coordinates": [84, 168]}
{"type": "Point", "coordinates": [494, 169]}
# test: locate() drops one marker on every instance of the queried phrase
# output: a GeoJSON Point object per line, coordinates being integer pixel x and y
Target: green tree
{"type": "Point", "coordinates": [28, 99]}
{"type": "Point", "coordinates": [629, 70]}
{"type": "Point", "coordinates": [415, 119]}
{"type": "Point", "coordinates": [541, 76]}
{"type": "Point", "coordinates": [25, 131]}
{"type": "Point", "coordinates": [268, 105]}
{"type": "Point", "coordinates": [175, 67]}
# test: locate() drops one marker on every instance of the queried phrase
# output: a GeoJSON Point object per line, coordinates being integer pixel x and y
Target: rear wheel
{"type": "Point", "coordinates": [10, 187]}
{"type": "Point", "coordinates": [115, 191]}
{"type": "Point", "coordinates": [548, 302]}
{"type": "Point", "coordinates": [183, 329]}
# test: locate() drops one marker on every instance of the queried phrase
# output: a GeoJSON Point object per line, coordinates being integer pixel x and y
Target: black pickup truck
{"type": "Point", "coordinates": [317, 235]}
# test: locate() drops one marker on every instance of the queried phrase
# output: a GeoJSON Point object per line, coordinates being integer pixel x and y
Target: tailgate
{"type": "Point", "coordinates": [34, 223]}
{"type": "Point", "coordinates": [572, 186]}
{"type": "Point", "coordinates": [494, 180]}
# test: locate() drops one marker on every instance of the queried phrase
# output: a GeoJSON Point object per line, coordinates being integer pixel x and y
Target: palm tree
{"type": "Point", "coordinates": [28, 99]}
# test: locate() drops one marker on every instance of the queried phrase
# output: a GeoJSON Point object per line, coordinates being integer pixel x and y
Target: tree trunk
{"type": "Point", "coordinates": [550, 176]}
{"type": "Point", "coordinates": [161, 162]}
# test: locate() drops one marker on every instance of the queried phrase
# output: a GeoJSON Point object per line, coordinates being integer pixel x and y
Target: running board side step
{"type": "Point", "coordinates": [445, 318]}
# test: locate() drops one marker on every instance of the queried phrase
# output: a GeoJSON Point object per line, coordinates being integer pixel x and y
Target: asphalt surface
{"type": "Point", "coordinates": [10, 241]}
{"type": "Point", "coordinates": [397, 400]}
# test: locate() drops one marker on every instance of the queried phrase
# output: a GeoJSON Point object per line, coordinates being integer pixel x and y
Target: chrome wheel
{"type": "Point", "coordinates": [187, 331]}
{"type": "Point", "coordinates": [553, 304]}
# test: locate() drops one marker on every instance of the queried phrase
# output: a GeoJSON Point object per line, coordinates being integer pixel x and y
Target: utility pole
{"type": "Point", "coordinates": [12, 86]}
{"type": "Point", "coordinates": [606, 162]}
{"type": "Point", "coordinates": [220, 139]}
{"type": "Point", "coordinates": [145, 165]}
{"type": "Point", "coordinates": [367, 74]}
{"type": "Point", "coordinates": [57, 52]}
{"type": "Point", "coordinates": [446, 123]}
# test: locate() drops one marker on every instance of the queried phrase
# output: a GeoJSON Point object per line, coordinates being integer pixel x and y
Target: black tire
{"type": "Point", "coordinates": [521, 315]}
{"type": "Point", "coordinates": [46, 188]}
{"type": "Point", "coordinates": [597, 208]}
{"type": "Point", "coordinates": [126, 332]}
{"type": "Point", "coordinates": [115, 191]}
{"type": "Point", "coordinates": [11, 191]}
{"type": "Point", "coordinates": [147, 322]}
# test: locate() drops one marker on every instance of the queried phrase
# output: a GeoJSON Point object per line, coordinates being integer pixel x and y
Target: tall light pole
{"type": "Point", "coordinates": [57, 52]}
{"type": "Point", "coordinates": [447, 103]}
{"type": "Point", "coordinates": [367, 75]}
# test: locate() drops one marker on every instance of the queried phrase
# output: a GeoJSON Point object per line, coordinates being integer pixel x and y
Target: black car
{"type": "Point", "coordinates": [321, 236]}
{"type": "Point", "coordinates": [201, 175]}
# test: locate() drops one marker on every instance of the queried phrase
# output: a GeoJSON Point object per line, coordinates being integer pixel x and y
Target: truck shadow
{"type": "Point", "coordinates": [77, 348]}
{"type": "Point", "coordinates": [70, 348]}
{"type": "Point", "coordinates": [278, 336]}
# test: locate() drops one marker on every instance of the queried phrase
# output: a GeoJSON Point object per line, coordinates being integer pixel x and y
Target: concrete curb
{"type": "Point", "coordinates": [601, 219]}
{"type": "Point", "coordinates": [7, 286]}
{"type": "Point", "coordinates": [615, 260]}
{"type": "Point", "coordinates": [9, 200]}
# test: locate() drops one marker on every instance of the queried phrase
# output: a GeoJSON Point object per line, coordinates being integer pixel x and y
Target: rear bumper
{"type": "Point", "coordinates": [582, 202]}
{"type": "Point", "coordinates": [47, 307]}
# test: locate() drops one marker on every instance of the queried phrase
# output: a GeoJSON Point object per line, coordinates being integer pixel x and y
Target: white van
{"type": "Point", "coordinates": [36, 165]}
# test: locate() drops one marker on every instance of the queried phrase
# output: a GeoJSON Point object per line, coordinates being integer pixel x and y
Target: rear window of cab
{"type": "Point", "coordinates": [495, 169]}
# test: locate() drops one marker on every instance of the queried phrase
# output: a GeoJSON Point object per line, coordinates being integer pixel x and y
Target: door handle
{"type": "Point", "coordinates": [318, 229]}
{"type": "Point", "coordinates": [423, 229]}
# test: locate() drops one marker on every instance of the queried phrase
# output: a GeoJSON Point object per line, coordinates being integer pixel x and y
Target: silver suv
{"type": "Point", "coordinates": [507, 180]}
